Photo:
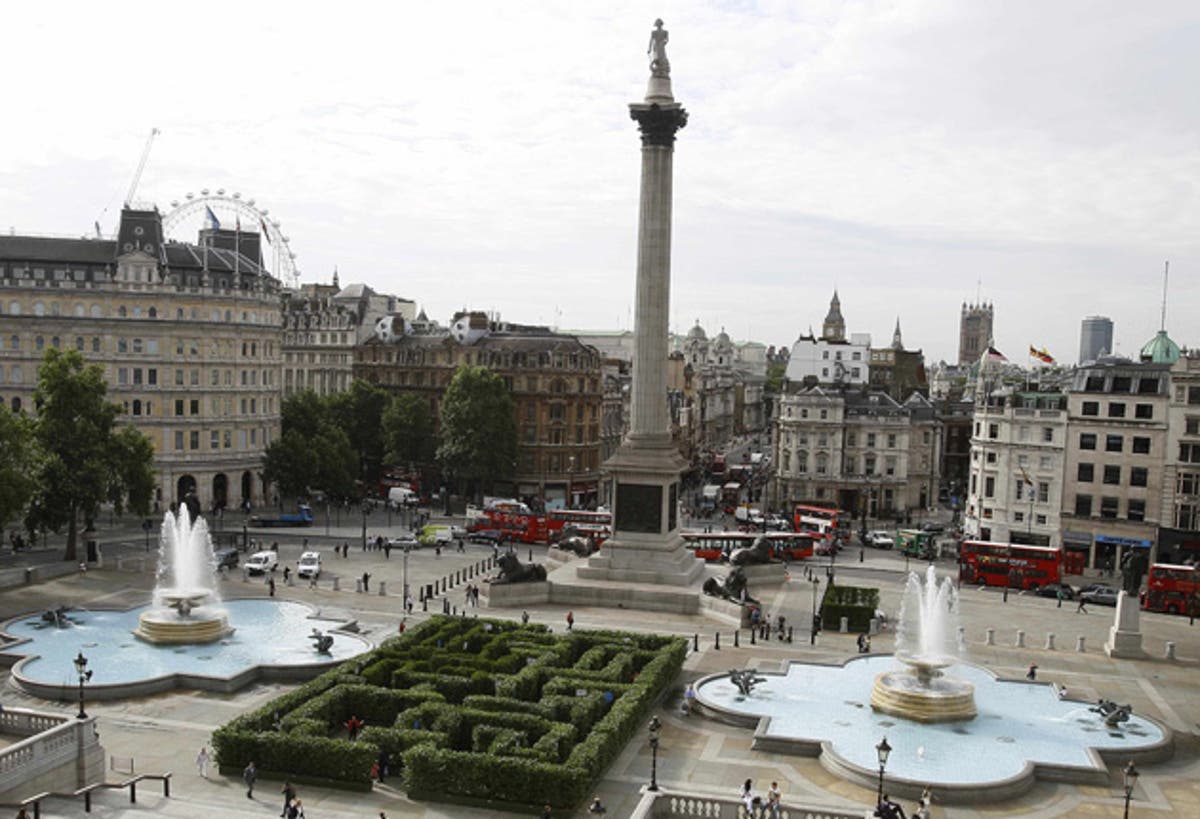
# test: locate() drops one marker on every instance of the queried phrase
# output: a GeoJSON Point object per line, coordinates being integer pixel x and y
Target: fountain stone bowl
{"type": "Point", "coordinates": [922, 693]}
{"type": "Point", "coordinates": [183, 618]}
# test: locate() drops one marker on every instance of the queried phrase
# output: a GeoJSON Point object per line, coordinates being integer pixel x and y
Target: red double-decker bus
{"type": "Point", "coordinates": [1171, 588]}
{"type": "Point", "coordinates": [1009, 564]}
{"type": "Point", "coordinates": [716, 546]}
{"type": "Point", "coordinates": [512, 520]}
{"type": "Point", "coordinates": [585, 523]}
{"type": "Point", "coordinates": [820, 520]}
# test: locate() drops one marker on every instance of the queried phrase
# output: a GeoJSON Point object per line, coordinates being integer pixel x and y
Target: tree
{"type": "Point", "coordinates": [17, 464]}
{"type": "Point", "coordinates": [359, 412]}
{"type": "Point", "coordinates": [85, 459]}
{"type": "Point", "coordinates": [775, 374]}
{"type": "Point", "coordinates": [408, 430]}
{"type": "Point", "coordinates": [479, 429]}
{"type": "Point", "coordinates": [311, 453]}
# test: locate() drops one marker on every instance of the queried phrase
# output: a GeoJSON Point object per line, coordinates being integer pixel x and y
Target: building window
{"type": "Point", "coordinates": [1121, 383]}
{"type": "Point", "coordinates": [993, 431]}
{"type": "Point", "coordinates": [178, 439]}
{"type": "Point", "coordinates": [1116, 409]}
{"type": "Point", "coordinates": [990, 457]}
{"type": "Point", "coordinates": [1136, 510]}
{"type": "Point", "coordinates": [1112, 475]}
{"type": "Point", "coordinates": [822, 463]}
{"type": "Point", "coordinates": [1138, 476]}
{"type": "Point", "coordinates": [1091, 408]}
{"type": "Point", "coordinates": [1113, 443]}
{"type": "Point", "coordinates": [1047, 435]}
{"type": "Point", "coordinates": [194, 407]}
{"type": "Point", "coordinates": [1086, 473]}
{"type": "Point", "coordinates": [989, 487]}
{"type": "Point", "coordinates": [215, 439]}
{"type": "Point", "coordinates": [1108, 507]}
{"type": "Point", "coordinates": [1189, 453]}
{"type": "Point", "coordinates": [1143, 411]}
{"type": "Point", "coordinates": [1087, 440]}
{"type": "Point", "coordinates": [1192, 425]}
{"type": "Point", "coordinates": [1141, 445]}
{"type": "Point", "coordinates": [1043, 489]}
{"type": "Point", "coordinates": [179, 406]}
{"type": "Point", "coordinates": [891, 440]}
{"type": "Point", "coordinates": [871, 440]}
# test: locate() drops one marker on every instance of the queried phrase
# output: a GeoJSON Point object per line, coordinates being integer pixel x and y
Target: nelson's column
{"type": "Point", "coordinates": [646, 546]}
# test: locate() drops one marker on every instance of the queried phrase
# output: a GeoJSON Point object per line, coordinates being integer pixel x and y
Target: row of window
{"type": "Point", "coordinates": [221, 439]}
{"type": "Point", "coordinates": [589, 435]}
{"type": "Point", "coordinates": [1111, 475]}
{"type": "Point", "coordinates": [1146, 385]}
{"type": "Point", "coordinates": [54, 308]}
{"type": "Point", "coordinates": [1026, 490]}
{"type": "Point", "coordinates": [1117, 409]}
{"type": "Point", "coordinates": [484, 358]}
{"type": "Point", "coordinates": [1110, 507]}
{"type": "Point", "coordinates": [137, 376]}
{"type": "Point", "coordinates": [1140, 445]}
{"type": "Point", "coordinates": [993, 432]}
{"type": "Point", "coordinates": [558, 464]}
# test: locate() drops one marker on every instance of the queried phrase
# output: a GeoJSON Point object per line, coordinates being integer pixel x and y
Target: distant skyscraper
{"type": "Point", "coordinates": [1095, 338]}
{"type": "Point", "coordinates": [974, 332]}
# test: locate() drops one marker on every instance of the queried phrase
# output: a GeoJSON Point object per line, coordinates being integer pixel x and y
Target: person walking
{"type": "Point", "coordinates": [202, 762]}
{"type": "Point", "coordinates": [524, 618]}
{"type": "Point", "coordinates": [366, 579]}
{"type": "Point", "coordinates": [248, 776]}
{"type": "Point", "coordinates": [270, 587]}
{"type": "Point", "coordinates": [1081, 607]}
{"type": "Point", "coordinates": [1031, 674]}
{"type": "Point", "coordinates": [289, 793]}
{"type": "Point", "coordinates": [1059, 595]}
{"type": "Point", "coordinates": [570, 620]}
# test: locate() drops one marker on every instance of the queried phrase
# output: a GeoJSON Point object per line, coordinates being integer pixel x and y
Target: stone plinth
{"type": "Point", "coordinates": [1125, 636]}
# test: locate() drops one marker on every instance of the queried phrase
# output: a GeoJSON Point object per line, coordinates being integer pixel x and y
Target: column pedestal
{"type": "Point", "coordinates": [1125, 636]}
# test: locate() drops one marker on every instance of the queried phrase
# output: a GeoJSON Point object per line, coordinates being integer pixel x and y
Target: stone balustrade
{"type": "Point", "coordinates": [56, 750]}
{"type": "Point", "coordinates": [672, 804]}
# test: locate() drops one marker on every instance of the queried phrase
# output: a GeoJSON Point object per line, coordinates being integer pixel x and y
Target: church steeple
{"type": "Point", "coordinates": [834, 328]}
{"type": "Point", "coordinates": [897, 342]}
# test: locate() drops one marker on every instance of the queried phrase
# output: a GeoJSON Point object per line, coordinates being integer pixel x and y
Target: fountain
{"type": "Point", "coordinates": [927, 642]}
{"type": "Point", "coordinates": [186, 608]}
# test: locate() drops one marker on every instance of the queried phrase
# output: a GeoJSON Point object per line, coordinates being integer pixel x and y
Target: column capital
{"type": "Point", "coordinates": [658, 123]}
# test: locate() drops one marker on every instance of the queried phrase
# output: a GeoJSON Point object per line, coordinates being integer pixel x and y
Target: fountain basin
{"type": "Point", "coordinates": [938, 699]}
{"type": "Point", "coordinates": [168, 627]}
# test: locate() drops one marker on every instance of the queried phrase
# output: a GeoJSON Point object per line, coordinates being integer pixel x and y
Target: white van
{"type": "Point", "coordinates": [401, 496]}
{"type": "Point", "coordinates": [309, 565]}
{"type": "Point", "coordinates": [262, 562]}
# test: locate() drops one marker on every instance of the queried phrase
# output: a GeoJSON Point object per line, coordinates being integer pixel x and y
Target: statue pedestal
{"type": "Point", "coordinates": [1125, 636]}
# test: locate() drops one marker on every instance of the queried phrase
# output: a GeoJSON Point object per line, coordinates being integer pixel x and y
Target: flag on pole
{"type": "Point", "coordinates": [1041, 355]}
{"type": "Point", "coordinates": [993, 354]}
{"type": "Point", "coordinates": [1025, 477]}
{"type": "Point", "coordinates": [213, 221]}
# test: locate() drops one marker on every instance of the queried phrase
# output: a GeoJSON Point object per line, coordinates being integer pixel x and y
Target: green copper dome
{"type": "Point", "coordinates": [1160, 349]}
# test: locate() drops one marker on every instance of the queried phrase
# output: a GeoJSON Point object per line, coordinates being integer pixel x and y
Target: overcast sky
{"type": "Point", "coordinates": [1044, 155]}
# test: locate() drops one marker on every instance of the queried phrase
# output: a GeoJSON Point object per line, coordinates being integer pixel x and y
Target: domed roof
{"type": "Point", "coordinates": [723, 337]}
{"type": "Point", "coordinates": [697, 332]}
{"type": "Point", "coordinates": [1160, 349]}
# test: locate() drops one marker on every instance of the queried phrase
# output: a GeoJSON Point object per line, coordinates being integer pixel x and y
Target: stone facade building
{"type": "Point", "coordinates": [897, 371]}
{"type": "Point", "coordinates": [1015, 487]}
{"type": "Point", "coordinates": [322, 324]}
{"type": "Point", "coordinates": [188, 336]}
{"type": "Point", "coordinates": [863, 452]}
{"type": "Point", "coordinates": [1180, 505]}
{"type": "Point", "coordinates": [556, 383]}
{"type": "Point", "coordinates": [974, 332]}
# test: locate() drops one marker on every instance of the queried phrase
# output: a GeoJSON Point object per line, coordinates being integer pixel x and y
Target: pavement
{"type": "Point", "coordinates": [164, 732]}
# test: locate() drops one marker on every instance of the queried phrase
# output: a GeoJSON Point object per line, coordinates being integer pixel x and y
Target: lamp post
{"type": "Point", "coordinates": [407, 548]}
{"type": "Point", "coordinates": [84, 675]}
{"type": "Point", "coordinates": [816, 581]}
{"type": "Point", "coordinates": [1130, 775]}
{"type": "Point", "coordinates": [882, 749]}
{"type": "Point", "coordinates": [652, 729]}
{"type": "Point", "coordinates": [366, 510]}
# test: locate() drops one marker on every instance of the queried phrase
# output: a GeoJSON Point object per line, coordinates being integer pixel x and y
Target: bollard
{"type": "Point", "coordinates": [1050, 641]}
{"type": "Point", "coordinates": [717, 641]}
{"type": "Point", "coordinates": [336, 585]}
{"type": "Point", "coordinates": [753, 633]}
{"type": "Point", "coordinates": [383, 588]}
{"type": "Point", "coordinates": [844, 626]}
{"type": "Point", "coordinates": [789, 634]}
{"type": "Point", "coordinates": [420, 594]}
{"type": "Point", "coordinates": [990, 640]}
{"type": "Point", "coordinates": [291, 580]}
{"type": "Point", "coordinates": [358, 587]}
{"type": "Point", "coordinates": [245, 575]}
{"type": "Point", "coordinates": [1079, 643]}
{"type": "Point", "coordinates": [425, 604]}
{"type": "Point", "coordinates": [695, 642]}
{"type": "Point", "coordinates": [739, 631]}
{"type": "Point", "coordinates": [1170, 651]}
{"type": "Point", "coordinates": [1020, 639]}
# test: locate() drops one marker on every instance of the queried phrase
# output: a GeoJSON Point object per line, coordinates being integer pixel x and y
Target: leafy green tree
{"type": "Point", "coordinates": [359, 412]}
{"type": "Point", "coordinates": [312, 453]}
{"type": "Point", "coordinates": [775, 373]}
{"type": "Point", "coordinates": [408, 430]}
{"type": "Point", "coordinates": [479, 429]}
{"type": "Point", "coordinates": [17, 464]}
{"type": "Point", "coordinates": [85, 459]}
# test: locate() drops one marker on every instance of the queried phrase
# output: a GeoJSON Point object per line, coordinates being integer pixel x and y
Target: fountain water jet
{"type": "Point", "coordinates": [927, 642]}
{"type": "Point", "coordinates": [186, 606]}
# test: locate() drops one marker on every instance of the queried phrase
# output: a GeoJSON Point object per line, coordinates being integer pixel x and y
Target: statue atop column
{"type": "Point", "coordinates": [1133, 567]}
{"type": "Point", "coordinates": [660, 66]}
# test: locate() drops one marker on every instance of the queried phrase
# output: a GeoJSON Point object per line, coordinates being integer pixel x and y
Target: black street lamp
{"type": "Point", "coordinates": [882, 749]}
{"type": "Point", "coordinates": [816, 581]}
{"type": "Point", "coordinates": [652, 729]}
{"type": "Point", "coordinates": [84, 675]}
{"type": "Point", "coordinates": [1130, 775]}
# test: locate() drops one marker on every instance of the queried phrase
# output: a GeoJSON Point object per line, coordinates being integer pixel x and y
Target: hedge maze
{"type": "Point", "coordinates": [469, 710]}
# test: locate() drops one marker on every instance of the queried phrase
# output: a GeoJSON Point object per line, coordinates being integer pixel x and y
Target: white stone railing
{"type": "Point", "coordinates": [52, 742]}
{"type": "Point", "coordinates": [671, 804]}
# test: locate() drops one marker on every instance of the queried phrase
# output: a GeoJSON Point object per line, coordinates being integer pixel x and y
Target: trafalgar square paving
{"type": "Point", "coordinates": [164, 732]}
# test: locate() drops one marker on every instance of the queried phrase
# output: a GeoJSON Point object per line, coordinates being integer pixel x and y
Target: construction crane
{"type": "Point", "coordinates": [137, 176]}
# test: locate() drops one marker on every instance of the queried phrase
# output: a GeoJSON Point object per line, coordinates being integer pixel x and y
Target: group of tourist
{"type": "Point", "coordinates": [887, 809]}
{"type": "Point", "coordinates": [471, 595]}
{"type": "Point", "coordinates": [759, 807]}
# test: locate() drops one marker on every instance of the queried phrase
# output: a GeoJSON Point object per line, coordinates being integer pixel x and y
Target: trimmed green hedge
{"type": "Point", "coordinates": [856, 603]}
{"type": "Point", "coordinates": [477, 711]}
